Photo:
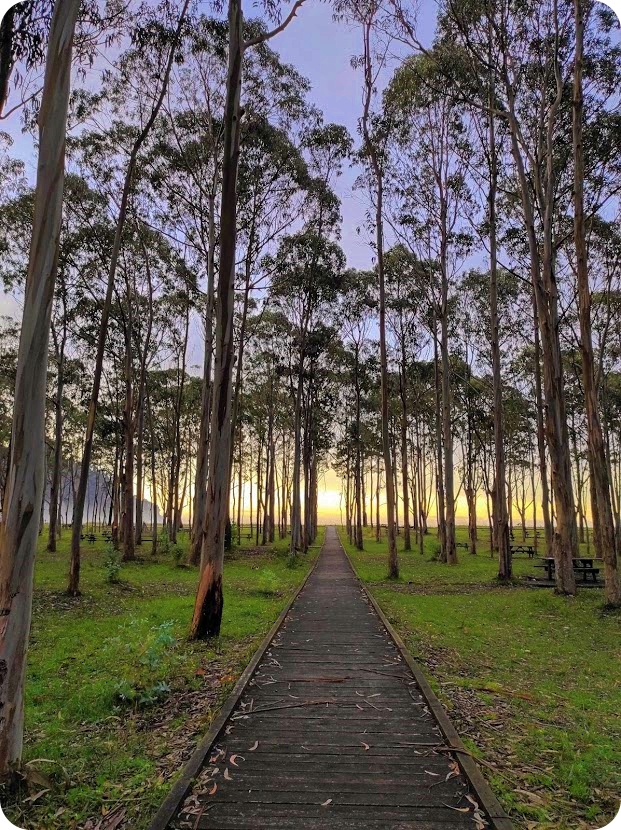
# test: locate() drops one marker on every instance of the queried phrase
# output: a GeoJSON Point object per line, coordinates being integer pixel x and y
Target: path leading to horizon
{"type": "Point", "coordinates": [333, 730]}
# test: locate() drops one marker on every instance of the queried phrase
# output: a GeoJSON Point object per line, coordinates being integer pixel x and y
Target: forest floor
{"type": "Point", "coordinates": [532, 681]}
{"type": "Point", "coordinates": [116, 696]}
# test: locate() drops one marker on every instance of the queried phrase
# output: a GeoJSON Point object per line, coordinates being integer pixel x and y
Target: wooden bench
{"type": "Point", "coordinates": [586, 571]}
{"type": "Point", "coordinates": [529, 549]}
{"type": "Point", "coordinates": [582, 565]}
{"type": "Point", "coordinates": [461, 545]}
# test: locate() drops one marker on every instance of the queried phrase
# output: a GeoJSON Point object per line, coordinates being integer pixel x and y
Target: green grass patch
{"type": "Point", "coordinates": [531, 680]}
{"type": "Point", "coordinates": [116, 696]}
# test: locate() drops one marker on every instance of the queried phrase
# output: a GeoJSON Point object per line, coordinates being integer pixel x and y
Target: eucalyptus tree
{"type": "Point", "coordinates": [530, 61]}
{"type": "Point", "coordinates": [357, 303]}
{"type": "Point", "coordinates": [207, 616]}
{"type": "Point", "coordinates": [186, 165]}
{"type": "Point", "coordinates": [273, 179]}
{"type": "Point", "coordinates": [477, 88]}
{"type": "Point", "coordinates": [270, 178]}
{"type": "Point", "coordinates": [477, 319]}
{"type": "Point", "coordinates": [405, 294]}
{"type": "Point", "coordinates": [154, 66]}
{"type": "Point", "coordinates": [370, 17]}
{"type": "Point", "coordinates": [79, 267]}
{"type": "Point", "coordinates": [9, 341]}
{"type": "Point", "coordinates": [601, 503]}
{"type": "Point", "coordinates": [24, 489]}
{"type": "Point", "coordinates": [306, 278]}
{"type": "Point", "coordinates": [24, 35]}
{"type": "Point", "coordinates": [433, 198]}
{"type": "Point", "coordinates": [320, 404]}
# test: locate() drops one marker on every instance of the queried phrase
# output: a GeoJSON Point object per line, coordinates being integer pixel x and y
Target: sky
{"type": "Point", "coordinates": [321, 50]}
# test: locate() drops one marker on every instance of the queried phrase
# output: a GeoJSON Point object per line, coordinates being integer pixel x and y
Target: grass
{"type": "Point", "coordinates": [531, 680]}
{"type": "Point", "coordinates": [116, 696]}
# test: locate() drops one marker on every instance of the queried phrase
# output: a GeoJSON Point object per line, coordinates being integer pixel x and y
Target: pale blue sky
{"type": "Point", "coordinates": [322, 50]}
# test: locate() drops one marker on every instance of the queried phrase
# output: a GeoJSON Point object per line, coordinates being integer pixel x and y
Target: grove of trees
{"type": "Point", "coordinates": [187, 202]}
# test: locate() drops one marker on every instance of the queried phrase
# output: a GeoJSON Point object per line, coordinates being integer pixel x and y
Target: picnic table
{"type": "Point", "coordinates": [524, 548]}
{"type": "Point", "coordinates": [582, 564]}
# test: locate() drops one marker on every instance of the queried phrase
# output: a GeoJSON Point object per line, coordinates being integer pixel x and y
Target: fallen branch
{"type": "Point", "coordinates": [284, 706]}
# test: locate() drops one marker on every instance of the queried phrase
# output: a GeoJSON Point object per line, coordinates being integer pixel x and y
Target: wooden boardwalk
{"type": "Point", "coordinates": [333, 730]}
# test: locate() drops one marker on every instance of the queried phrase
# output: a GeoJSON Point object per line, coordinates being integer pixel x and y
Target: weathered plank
{"type": "Point", "coordinates": [335, 728]}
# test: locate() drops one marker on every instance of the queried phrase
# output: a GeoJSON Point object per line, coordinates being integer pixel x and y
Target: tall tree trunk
{"type": "Point", "coordinates": [116, 509]}
{"type": "Point", "coordinates": [259, 488]}
{"type": "Point", "coordinates": [471, 494]}
{"type": "Point", "coordinates": [407, 542]}
{"type": "Point", "coordinates": [58, 442]}
{"type": "Point", "coordinates": [296, 506]}
{"type": "Point", "coordinates": [542, 263]}
{"type": "Point", "coordinates": [440, 503]}
{"type": "Point", "coordinates": [153, 480]}
{"type": "Point", "coordinates": [447, 426]}
{"type": "Point", "coordinates": [177, 505]}
{"type": "Point", "coordinates": [393, 561]}
{"type": "Point", "coordinates": [378, 527]}
{"type": "Point", "coordinates": [139, 520]}
{"type": "Point", "coordinates": [141, 404]}
{"type": "Point", "coordinates": [240, 485]}
{"type": "Point", "coordinates": [541, 440]}
{"type": "Point", "coordinates": [358, 467]}
{"type": "Point", "coordinates": [202, 457]}
{"type": "Point", "coordinates": [595, 440]}
{"type": "Point", "coordinates": [371, 491]}
{"type": "Point", "coordinates": [534, 494]}
{"type": "Point", "coordinates": [207, 616]}
{"type": "Point", "coordinates": [268, 463]}
{"type": "Point", "coordinates": [271, 490]}
{"type": "Point", "coordinates": [25, 479]}
{"type": "Point", "coordinates": [129, 550]}
{"type": "Point", "coordinates": [505, 568]}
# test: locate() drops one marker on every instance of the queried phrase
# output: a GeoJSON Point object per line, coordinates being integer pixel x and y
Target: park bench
{"type": "Point", "coordinates": [528, 549]}
{"type": "Point", "coordinates": [582, 565]}
{"type": "Point", "coordinates": [463, 545]}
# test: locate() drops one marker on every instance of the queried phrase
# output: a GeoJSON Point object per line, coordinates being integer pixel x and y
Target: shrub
{"type": "Point", "coordinates": [149, 663]}
{"type": "Point", "coordinates": [163, 542]}
{"type": "Point", "coordinates": [267, 583]}
{"type": "Point", "coordinates": [178, 555]}
{"type": "Point", "coordinates": [112, 565]}
{"type": "Point", "coordinates": [435, 549]}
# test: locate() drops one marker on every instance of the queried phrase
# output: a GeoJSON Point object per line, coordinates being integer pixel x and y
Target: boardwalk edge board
{"type": "Point", "coordinates": [173, 801]}
{"type": "Point", "coordinates": [492, 807]}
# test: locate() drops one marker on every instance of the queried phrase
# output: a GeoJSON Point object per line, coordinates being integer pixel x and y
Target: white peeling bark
{"type": "Point", "coordinates": [24, 492]}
